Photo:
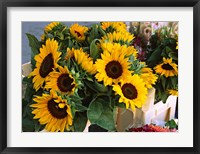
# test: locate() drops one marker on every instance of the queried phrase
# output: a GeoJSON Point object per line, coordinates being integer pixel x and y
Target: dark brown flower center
{"type": "Point", "coordinates": [114, 69]}
{"type": "Point", "coordinates": [46, 66]}
{"type": "Point", "coordinates": [64, 83]}
{"type": "Point", "coordinates": [129, 91]}
{"type": "Point", "coordinates": [167, 67]}
{"type": "Point", "coordinates": [55, 111]}
{"type": "Point", "coordinates": [79, 34]}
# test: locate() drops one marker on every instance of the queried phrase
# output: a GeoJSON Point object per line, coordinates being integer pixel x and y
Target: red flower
{"type": "Point", "coordinates": [151, 128]}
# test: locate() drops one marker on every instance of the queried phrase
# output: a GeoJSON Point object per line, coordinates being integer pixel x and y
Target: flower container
{"type": "Point", "coordinates": [127, 118]}
{"type": "Point", "coordinates": [26, 69]}
{"type": "Point", "coordinates": [158, 113]}
{"type": "Point", "coordinates": [124, 119]}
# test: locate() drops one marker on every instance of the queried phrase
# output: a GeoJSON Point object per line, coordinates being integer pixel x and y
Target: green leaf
{"type": "Point", "coordinates": [169, 42]}
{"type": "Point", "coordinates": [80, 121]}
{"type": "Point", "coordinates": [95, 110]}
{"type": "Point", "coordinates": [161, 93]}
{"type": "Point", "coordinates": [29, 93]}
{"type": "Point", "coordinates": [168, 83]}
{"type": "Point", "coordinates": [121, 105]}
{"type": "Point", "coordinates": [111, 101]}
{"type": "Point", "coordinates": [35, 47]}
{"type": "Point", "coordinates": [174, 81]}
{"type": "Point", "coordinates": [94, 50]}
{"type": "Point", "coordinates": [114, 113]}
{"type": "Point", "coordinates": [90, 85]}
{"type": "Point", "coordinates": [100, 87]}
{"type": "Point", "coordinates": [106, 120]}
{"type": "Point", "coordinates": [89, 78]}
{"type": "Point", "coordinates": [34, 43]}
{"type": "Point", "coordinates": [163, 81]}
{"type": "Point", "coordinates": [136, 66]}
{"type": "Point", "coordinates": [80, 107]}
{"type": "Point", "coordinates": [24, 104]}
{"type": "Point", "coordinates": [101, 31]}
{"type": "Point", "coordinates": [38, 126]}
{"type": "Point", "coordinates": [27, 80]}
{"type": "Point", "coordinates": [99, 113]}
{"type": "Point", "coordinates": [168, 49]}
{"type": "Point", "coordinates": [49, 36]}
{"type": "Point", "coordinates": [28, 111]}
{"type": "Point", "coordinates": [70, 43]}
{"type": "Point", "coordinates": [28, 125]}
{"type": "Point", "coordinates": [164, 54]}
{"type": "Point", "coordinates": [75, 98]}
{"type": "Point", "coordinates": [155, 57]}
{"type": "Point", "coordinates": [63, 54]}
{"type": "Point", "coordinates": [64, 63]}
{"type": "Point", "coordinates": [171, 124]}
{"type": "Point", "coordinates": [73, 111]}
{"type": "Point", "coordinates": [93, 33]}
{"type": "Point", "coordinates": [173, 55]}
{"type": "Point", "coordinates": [164, 97]}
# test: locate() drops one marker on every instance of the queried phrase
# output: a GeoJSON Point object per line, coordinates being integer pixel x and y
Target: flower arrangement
{"type": "Point", "coordinates": [82, 73]}
{"type": "Point", "coordinates": [170, 126]}
{"type": "Point", "coordinates": [157, 43]}
{"type": "Point", "coordinates": [152, 128]}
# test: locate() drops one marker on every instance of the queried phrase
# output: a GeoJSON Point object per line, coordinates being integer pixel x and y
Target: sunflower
{"type": "Point", "coordinates": [148, 77]}
{"type": "Point", "coordinates": [173, 92]}
{"type": "Point", "coordinates": [86, 62]}
{"type": "Point", "coordinates": [132, 91]}
{"type": "Point", "coordinates": [46, 60]}
{"type": "Point", "coordinates": [116, 26]}
{"type": "Point", "coordinates": [118, 37]}
{"type": "Point", "coordinates": [70, 54]}
{"type": "Point", "coordinates": [53, 112]}
{"type": "Point", "coordinates": [106, 25]}
{"type": "Point", "coordinates": [122, 49]}
{"type": "Point", "coordinates": [167, 68]}
{"type": "Point", "coordinates": [119, 26]}
{"type": "Point", "coordinates": [112, 67]}
{"type": "Point", "coordinates": [61, 81]}
{"type": "Point", "coordinates": [78, 31]}
{"type": "Point", "coordinates": [50, 26]}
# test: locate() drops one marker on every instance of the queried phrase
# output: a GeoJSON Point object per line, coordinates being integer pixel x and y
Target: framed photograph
{"type": "Point", "coordinates": [99, 76]}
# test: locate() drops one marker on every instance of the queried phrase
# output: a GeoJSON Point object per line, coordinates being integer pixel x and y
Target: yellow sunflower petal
{"type": "Point", "coordinates": [113, 66]}
{"type": "Point", "coordinates": [86, 62]}
{"type": "Point", "coordinates": [78, 31]}
{"type": "Point", "coordinates": [167, 68]}
{"type": "Point", "coordinates": [55, 117]}
{"type": "Point", "coordinates": [132, 92]}
{"type": "Point", "coordinates": [61, 81]}
{"type": "Point", "coordinates": [46, 61]}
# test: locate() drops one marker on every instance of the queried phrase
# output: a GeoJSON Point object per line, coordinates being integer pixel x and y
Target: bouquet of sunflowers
{"type": "Point", "coordinates": [163, 58]}
{"type": "Point", "coordinates": [157, 43]}
{"type": "Point", "coordinates": [82, 74]}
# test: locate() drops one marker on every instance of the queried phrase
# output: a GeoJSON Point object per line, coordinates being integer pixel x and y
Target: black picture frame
{"type": "Point", "coordinates": [4, 4]}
